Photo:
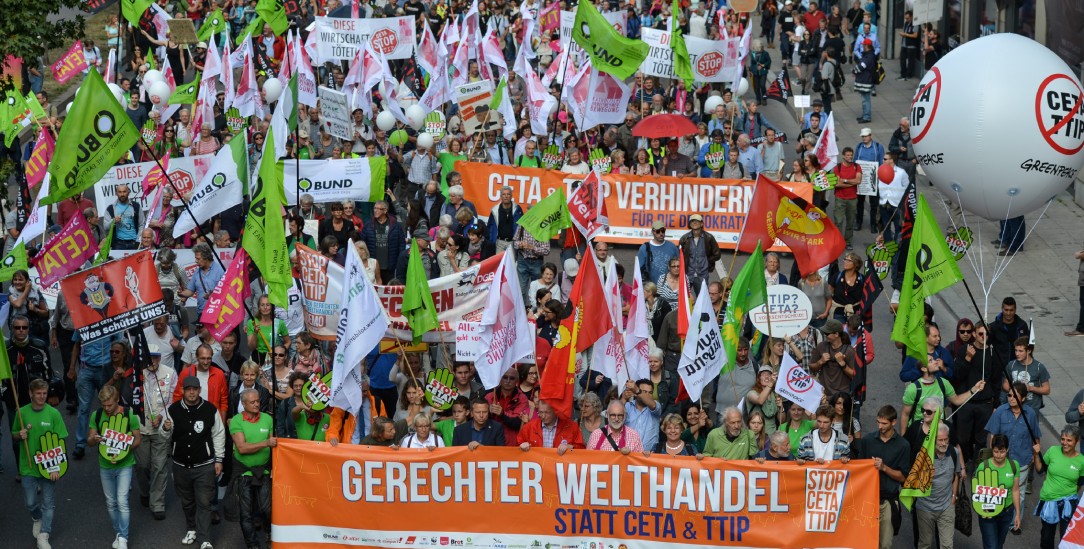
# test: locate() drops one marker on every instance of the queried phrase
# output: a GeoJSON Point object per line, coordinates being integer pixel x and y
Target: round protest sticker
{"type": "Point", "coordinates": [1058, 112]}
{"type": "Point", "coordinates": [790, 311]}
{"type": "Point", "coordinates": [440, 389]}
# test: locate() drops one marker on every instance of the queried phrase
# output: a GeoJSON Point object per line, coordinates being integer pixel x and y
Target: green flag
{"type": "Point", "coordinates": [149, 59]}
{"type": "Point", "coordinates": [254, 28]}
{"type": "Point", "coordinates": [265, 230]}
{"type": "Point", "coordinates": [545, 219]}
{"type": "Point", "coordinates": [36, 110]}
{"type": "Point", "coordinates": [930, 268]}
{"type": "Point", "coordinates": [105, 246]}
{"type": "Point", "coordinates": [17, 116]}
{"type": "Point", "coordinates": [212, 25]}
{"type": "Point", "coordinates": [610, 51]}
{"type": "Point", "coordinates": [418, 306]}
{"type": "Point", "coordinates": [274, 13]}
{"type": "Point", "coordinates": [919, 481]}
{"type": "Point", "coordinates": [498, 94]}
{"type": "Point", "coordinates": [683, 67]}
{"type": "Point", "coordinates": [133, 10]}
{"type": "Point", "coordinates": [749, 290]}
{"type": "Point", "coordinates": [5, 363]}
{"type": "Point", "coordinates": [15, 261]}
{"type": "Point", "coordinates": [186, 94]}
{"type": "Point", "coordinates": [96, 133]}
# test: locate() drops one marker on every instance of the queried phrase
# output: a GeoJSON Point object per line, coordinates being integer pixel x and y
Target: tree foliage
{"type": "Point", "coordinates": [30, 27]}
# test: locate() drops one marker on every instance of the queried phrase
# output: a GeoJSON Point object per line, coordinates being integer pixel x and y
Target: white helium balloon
{"type": "Point", "coordinates": [425, 140]}
{"type": "Point", "coordinates": [415, 115]}
{"type": "Point", "coordinates": [385, 121]}
{"type": "Point", "coordinates": [159, 93]}
{"type": "Point", "coordinates": [152, 76]}
{"type": "Point", "coordinates": [272, 89]}
{"type": "Point", "coordinates": [712, 102]}
{"type": "Point", "coordinates": [118, 92]}
{"type": "Point", "coordinates": [743, 86]}
{"type": "Point", "coordinates": [998, 125]}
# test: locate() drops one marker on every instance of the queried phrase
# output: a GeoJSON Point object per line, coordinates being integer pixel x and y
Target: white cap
{"type": "Point", "coordinates": [865, 132]}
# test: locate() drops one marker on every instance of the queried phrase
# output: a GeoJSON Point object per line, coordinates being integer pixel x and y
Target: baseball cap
{"type": "Point", "coordinates": [422, 233]}
{"type": "Point", "coordinates": [765, 368]}
{"type": "Point", "coordinates": [202, 45]}
{"type": "Point", "coordinates": [818, 103]}
{"type": "Point", "coordinates": [832, 326]}
{"type": "Point", "coordinates": [658, 225]}
{"type": "Point", "coordinates": [572, 267]}
{"type": "Point", "coordinates": [696, 217]}
{"type": "Point", "coordinates": [191, 382]}
{"type": "Point", "coordinates": [867, 42]}
{"type": "Point", "coordinates": [154, 350]}
{"type": "Point", "coordinates": [865, 132]}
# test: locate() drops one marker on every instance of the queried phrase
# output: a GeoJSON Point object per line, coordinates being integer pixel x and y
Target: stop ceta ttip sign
{"type": "Point", "coordinates": [1058, 111]}
{"type": "Point", "coordinates": [924, 105]}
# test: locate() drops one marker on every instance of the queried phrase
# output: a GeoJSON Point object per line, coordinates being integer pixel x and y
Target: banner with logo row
{"type": "Point", "coordinates": [184, 172]}
{"type": "Point", "coordinates": [633, 202]}
{"type": "Point", "coordinates": [336, 180]}
{"type": "Point", "coordinates": [339, 39]}
{"type": "Point", "coordinates": [361, 496]}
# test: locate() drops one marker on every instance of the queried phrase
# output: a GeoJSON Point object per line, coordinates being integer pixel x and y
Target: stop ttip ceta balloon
{"type": "Point", "coordinates": [998, 125]}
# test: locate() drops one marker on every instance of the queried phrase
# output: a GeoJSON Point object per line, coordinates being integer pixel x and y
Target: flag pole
{"type": "Point", "coordinates": [19, 411]}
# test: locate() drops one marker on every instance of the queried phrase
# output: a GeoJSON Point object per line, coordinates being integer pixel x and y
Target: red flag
{"type": "Point", "coordinates": [775, 212]}
{"type": "Point", "coordinates": [155, 176]}
{"type": "Point", "coordinates": [587, 207]}
{"type": "Point", "coordinates": [225, 310]}
{"type": "Point", "coordinates": [683, 299]}
{"type": "Point", "coordinates": [578, 331]}
{"type": "Point", "coordinates": [38, 163]}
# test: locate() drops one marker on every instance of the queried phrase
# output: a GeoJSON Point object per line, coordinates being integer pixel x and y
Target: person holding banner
{"type": "Point", "coordinates": [732, 440]}
{"type": "Point", "coordinates": [116, 457]}
{"type": "Point", "coordinates": [159, 382]}
{"type": "Point", "coordinates": [824, 444]}
{"type": "Point", "coordinates": [41, 432]}
{"type": "Point", "coordinates": [253, 437]}
{"type": "Point", "coordinates": [615, 435]}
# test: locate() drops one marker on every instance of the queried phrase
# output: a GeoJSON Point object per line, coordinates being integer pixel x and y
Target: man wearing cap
{"type": "Point", "coordinates": [159, 382]}
{"type": "Point", "coordinates": [865, 79]}
{"type": "Point", "coordinates": [868, 149]}
{"type": "Point", "coordinates": [833, 359]}
{"type": "Point", "coordinates": [655, 254]}
{"type": "Point", "coordinates": [700, 249]}
{"type": "Point", "coordinates": [570, 269]}
{"type": "Point", "coordinates": [199, 448]}
{"type": "Point", "coordinates": [428, 256]}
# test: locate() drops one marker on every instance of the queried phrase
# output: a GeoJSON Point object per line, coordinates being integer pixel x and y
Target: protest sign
{"type": "Point", "coordinates": [659, 60]}
{"type": "Point", "coordinates": [70, 64]}
{"type": "Point", "coordinates": [868, 185]}
{"type": "Point", "coordinates": [536, 499]}
{"type": "Point", "coordinates": [184, 172]}
{"type": "Point", "coordinates": [339, 39]}
{"type": "Point", "coordinates": [468, 341]}
{"type": "Point", "coordinates": [335, 108]}
{"type": "Point", "coordinates": [114, 296]}
{"type": "Point", "coordinates": [798, 385]}
{"type": "Point", "coordinates": [321, 292]}
{"type": "Point", "coordinates": [474, 99]}
{"type": "Point", "coordinates": [714, 60]}
{"type": "Point", "coordinates": [633, 202]}
{"type": "Point", "coordinates": [337, 180]}
{"type": "Point", "coordinates": [790, 311]}
{"type": "Point", "coordinates": [182, 31]}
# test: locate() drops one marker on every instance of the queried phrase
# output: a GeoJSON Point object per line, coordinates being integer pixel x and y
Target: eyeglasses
{"type": "Point", "coordinates": [616, 416]}
{"type": "Point", "coordinates": [657, 231]}
{"type": "Point", "coordinates": [966, 331]}
{"type": "Point", "coordinates": [280, 355]}
{"type": "Point", "coordinates": [926, 412]}
{"type": "Point", "coordinates": [20, 327]}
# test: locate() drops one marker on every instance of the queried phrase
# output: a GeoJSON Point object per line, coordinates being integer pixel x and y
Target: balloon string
{"type": "Point", "coordinates": [997, 274]}
{"type": "Point", "coordinates": [999, 263]}
{"type": "Point", "coordinates": [955, 227]}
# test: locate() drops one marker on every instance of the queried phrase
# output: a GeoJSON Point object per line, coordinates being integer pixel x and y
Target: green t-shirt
{"type": "Point", "coordinates": [743, 447]}
{"type": "Point", "coordinates": [280, 332]}
{"type": "Point", "coordinates": [933, 389]}
{"type": "Point", "coordinates": [254, 432]}
{"type": "Point", "coordinates": [445, 427]}
{"type": "Point", "coordinates": [447, 165]}
{"type": "Point", "coordinates": [796, 434]}
{"type": "Point", "coordinates": [1062, 474]}
{"type": "Point", "coordinates": [312, 431]}
{"type": "Point", "coordinates": [47, 420]}
{"type": "Point", "coordinates": [115, 451]}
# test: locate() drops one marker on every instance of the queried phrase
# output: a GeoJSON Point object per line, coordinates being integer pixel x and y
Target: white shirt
{"type": "Point", "coordinates": [892, 193]}
{"type": "Point", "coordinates": [823, 450]}
{"type": "Point", "coordinates": [412, 441]}
{"type": "Point", "coordinates": [163, 343]}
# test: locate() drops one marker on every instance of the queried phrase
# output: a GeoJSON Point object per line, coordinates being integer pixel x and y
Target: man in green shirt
{"type": "Point", "coordinates": [43, 457]}
{"type": "Point", "coordinates": [115, 431]}
{"type": "Point", "coordinates": [253, 438]}
{"type": "Point", "coordinates": [732, 440]}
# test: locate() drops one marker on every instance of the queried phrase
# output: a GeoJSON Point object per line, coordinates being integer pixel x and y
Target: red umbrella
{"type": "Point", "coordinates": [664, 125]}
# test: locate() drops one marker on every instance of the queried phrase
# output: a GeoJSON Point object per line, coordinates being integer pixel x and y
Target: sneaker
{"type": "Point", "coordinates": [79, 453]}
{"type": "Point", "coordinates": [159, 515]}
{"type": "Point", "coordinates": [206, 545]}
{"type": "Point", "coordinates": [122, 543]}
{"type": "Point", "coordinates": [43, 541]}
{"type": "Point", "coordinates": [189, 538]}
{"type": "Point", "coordinates": [849, 246]}
{"type": "Point", "coordinates": [115, 541]}
{"type": "Point", "coordinates": [1075, 333]}
{"type": "Point", "coordinates": [37, 528]}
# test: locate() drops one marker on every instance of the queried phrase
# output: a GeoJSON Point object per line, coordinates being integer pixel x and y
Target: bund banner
{"type": "Point", "coordinates": [504, 498]}
{"type": "Point", "coordinates": [633, 202]}
{"type": "Point", "coordinates": [114, 296]}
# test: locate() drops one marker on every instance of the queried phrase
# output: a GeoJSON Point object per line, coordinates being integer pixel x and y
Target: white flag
{"type": "Point", "coordinates": [306, 80]}
{"type": "Point", "coordinates": [540, 103]}
{"type": "Point", "coordinates": [227, 77]}
{"type": "Point", "coordinates": [826, 150]}
{"type": "Point", "coordinates": [597, 98]}
{"type": "Point", "coordinates": [35, 223]}
{"type": "Point", "coordinates": [608, 353]}
{"type": "Point", "coordinates": [427, 53]}
{"type": "Point", "coordinates": [797, 385]}
{"type": "Point", "coordinates": [637, 332]}
{"type": "Point", "coordinates": [221, 187]}
{"type": "Point", "coordinates": [702, 357]}
{"type": "Point", "coordinates": [506, 335]}
{"type": "Point", "coordinates": [212, 66]}
{"type": "Point", "coordinates": [362, 323]}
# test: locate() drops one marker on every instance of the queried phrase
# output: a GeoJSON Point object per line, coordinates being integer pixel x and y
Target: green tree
{"type": "Point", "coordinates": [28, 29]}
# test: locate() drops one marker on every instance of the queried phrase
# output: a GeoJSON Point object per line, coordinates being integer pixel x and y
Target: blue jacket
{"type": "Point", "coordinates": [910, 372]}
{"type": "Point", "coordinates": [517, 212]}
{"type": "Point", "coordinates": [395, 241]}
{"type": "Point", "coordinates": [873, 153]}
{"type": "Point", "coordinates": [705, 171]}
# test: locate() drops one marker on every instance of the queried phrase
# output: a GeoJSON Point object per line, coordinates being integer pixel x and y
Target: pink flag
{"type": "Point", "coordinates": [155, 176]}
{"type": "Point", "coordinates": [587, 207]}
{"type": "Point", "coordinates": [637, 332]}
{"type": "Point", "coordinates": [227, 77]}
{"type": "Point", "coordinates": [225, 310]}
{"type": "Point", "coordinates": [70, 64]}
{"type": "Point", "coordinates": [111, 66]}
{"type": "Point", "coordinates": [549, 17]}
{"type": "Point", "coordinates": [38, 163]}
{"type": "Point", "coordinates": [66, 252]}
{"type": "Point", "coordinates": [428, 57]}
{"type": "Point", "coordinates": [826, 149]}
{"type": "Point", "coordinates": [506, 335]}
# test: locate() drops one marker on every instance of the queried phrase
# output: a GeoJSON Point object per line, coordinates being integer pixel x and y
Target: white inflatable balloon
{"type": "Point", "coordinates": [272, 89]}
{"type": "Point", "coordinates": [385, 121]}
{"type": "Point", "coordinates": [743, 86]}
{"type": "Point", "coordinates": [152, 76]}
{"type": "Point", "coordinates": [159, 93]}
{"type": "Point", "coordinates": [415, 115]}
{"type": "Point", "coordinates": [999, 122]}
{"type": "Point", "coordinates": [425, 140]}
{"type": "Point", "coordinates": [712, 102]}
{"type": "Point", "coordinates": [118, 92]}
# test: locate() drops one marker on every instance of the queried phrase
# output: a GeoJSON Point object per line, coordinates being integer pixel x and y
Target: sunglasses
{"type": "Point", "coordinates": [20, 327]}
{"type": "Point", "coordinates": [659, 231]}
{"type": "Point", "coordinates": [926, 412]}
{"type": "Point", "coordinates": [280, 355]}
{"type": "Point", "coordinates": [966, 331]}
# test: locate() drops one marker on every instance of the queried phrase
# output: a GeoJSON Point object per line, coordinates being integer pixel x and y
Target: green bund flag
{"type": "Point", "coordinates": [253, 29]}
{"type": "Point", "coordinates": [498, 94]}
{"type": "Point", "coordinates": [919, 481]}
{"type": "Point", "coordinates": [545, 219]}
{"type": "Point", "coordinates": [750, 290]}
{"type": "Point", "coordinates": [418, 306]}
{"type": "Point", "coordinates": [133, 10]}
{"type": "Point", "coordinates": [930, 268]}
{"type": "Point", "coordinates": [610, 51]}
{"type": "Point", "coordinates": [16, 116]}
{"type": "Point", "coordinates": [265, 230]}
{"type": "Point", "coordinates": [683, 67]}
{"type": "Point", "coordinates": [212, 25]}
{"type": "Point", "coordinates": [105, 246]}
{"type": "Point", "coordinates": [186, 94]}
{"type": "Point", "coordinates": [96, 133]}
{"type": "Point", "coordinates": [15, 261]}
{"type": "Point", "coordinates": [36, 110]}
{"type": "Point", "coordinates": [5, 363]}
{"type": "Point", "coordinates": [274, 13]}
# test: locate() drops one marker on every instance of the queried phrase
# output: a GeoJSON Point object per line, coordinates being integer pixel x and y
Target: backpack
{"type": "Point", "coordinates": [838, 76]}
{"type": "Point", "coordinates": [879, 73]}
{"type": "Point", "coordinates": [918, 392]}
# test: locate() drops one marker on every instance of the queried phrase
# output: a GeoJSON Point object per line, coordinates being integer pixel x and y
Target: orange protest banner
{"type": "Point", "coordinates": [633, 202]}
{"type": "Point", "coordinates": [504, 498]}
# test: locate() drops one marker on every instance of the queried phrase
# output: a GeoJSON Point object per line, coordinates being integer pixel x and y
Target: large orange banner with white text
{"type": "Point", "coordinates": [633, 202]}
{"type": "Point", "coordinates": [504, 498]}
